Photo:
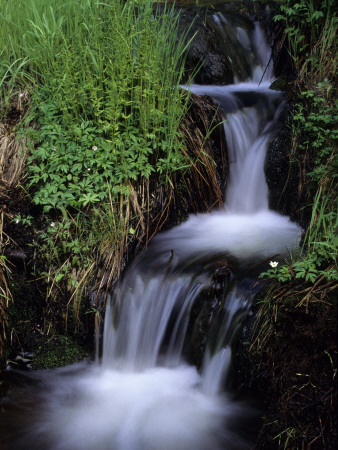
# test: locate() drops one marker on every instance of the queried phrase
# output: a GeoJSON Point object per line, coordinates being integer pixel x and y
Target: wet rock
{"type": "Point", "coordinates": [16, 255]}
{"type": "Point", "coordinates": [279, 85]}
{"type": "Point", "coordinates": [214, 55]}
{"type": "Point", "coordinates": [204, 314]}
{"type": "Point", "coordinates": [204, 55]}
{"type": "Point", "coordinates": [281, 175]}
{"type": "Point", "coordinates": [285, 170]}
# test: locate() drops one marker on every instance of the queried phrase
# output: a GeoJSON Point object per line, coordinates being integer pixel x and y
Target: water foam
{"type": "Point", "coordinates": [159, 408]}
{"type": "Point", "coordinates": [248, 237]}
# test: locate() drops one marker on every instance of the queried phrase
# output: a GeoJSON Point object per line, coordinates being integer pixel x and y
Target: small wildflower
{"type": "Point", "coordinates": [52, 224]}
{"type": "Point", "coordinates": [273, 264]}
{"type": "Point", "coordinates": [17, 221]}
{"type": "Point", "coordinates": [21, 95]}
{"type": "Point", "coordinates": [94, 147]}
{"type": "Point", "coordinates": [88, 169]}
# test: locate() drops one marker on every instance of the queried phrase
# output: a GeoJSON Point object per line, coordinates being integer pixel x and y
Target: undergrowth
{"type": "Point", "coordinates": [109, 107]}
{"type": "Point", "coordinates": [101, 81]}
{"type": "Point", "coordinates": [311, 28]}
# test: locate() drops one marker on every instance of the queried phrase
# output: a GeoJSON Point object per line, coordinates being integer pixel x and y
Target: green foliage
{"type": "Point", "coordinates": [315, 120]}
{"type": "Point", "coordinates": [319, 249]}
{"type": "Point", "coordinates": [25, 220]}
{"type": "Point", "coordinates": [72, 246]}
{"type": "Point", "coordinates": [286, 437]}
{"type": "Point", "coordinates": [58, 351]}
{"type": "Point", "coordinates": [282, 273]}
{"type": "Point", "coordinates": [310, 27]}
{"type": "Point", "coordinates": [108, 102]}
{"type": "Point", "coordinates": [103, 79]}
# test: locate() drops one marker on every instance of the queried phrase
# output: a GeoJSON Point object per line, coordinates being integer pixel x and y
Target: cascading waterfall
{"type": "Point", "coordinates": [141, 395]}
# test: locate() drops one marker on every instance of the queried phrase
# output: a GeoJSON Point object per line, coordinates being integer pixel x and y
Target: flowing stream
{"type": "Point", "coordinates": [142, 394]}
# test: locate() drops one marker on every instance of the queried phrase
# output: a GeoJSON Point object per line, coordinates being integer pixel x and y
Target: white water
{"type": "Point", "coordinates": [158, 408]}
{"type": "Point", "coordinates": [142, 395]}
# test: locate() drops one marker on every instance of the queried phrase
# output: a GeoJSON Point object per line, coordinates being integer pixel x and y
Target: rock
{"type": "Point", "coordinates": [278, 164]}
{"type": "Point", "coordinates": [15, 255]}
{"type": "Point", "coordinates": [279, 85]}
{"type": "Point", "coordinates": [214, 55]}
{"type": "Point", "coordinates": [284, 170]}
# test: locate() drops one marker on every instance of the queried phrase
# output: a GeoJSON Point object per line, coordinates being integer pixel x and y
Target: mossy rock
{"type": "Point", "coordinates": [57, 352]}
{"type": "Point", "coordinates": [279, 85]}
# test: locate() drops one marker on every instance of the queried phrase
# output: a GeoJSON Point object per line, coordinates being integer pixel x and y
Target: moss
{"type": "Point", "coordinates": [279, 85]}
{"type": "Point", "coordinates": [58, 351]}
{"type": "Point", "coordinates": [24, 314]}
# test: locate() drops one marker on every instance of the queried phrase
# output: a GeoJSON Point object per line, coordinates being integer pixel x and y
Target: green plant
{"type": "Point", "coordinates": [25, 220]}
{"type": "Point", "coordinates": [310, 27]}
{"type": "Point", "coordinates": [103, 80]}
{"type": "Point", "coordinates": [314, 120]}
{"type": "Point", "coordinates": [318, 256]}
{"type": "Point", "coordinates": [66, 252]}
{"type": "Point", "coordinates": [107, 104]}
{"type": "Point", "coordinates": [286, 437]}
{"type": "Point", "coordinates": [281, 273]}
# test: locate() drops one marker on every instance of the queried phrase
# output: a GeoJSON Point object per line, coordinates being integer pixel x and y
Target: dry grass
{"type": "Point", "coordinates": [13, 156]}
{"type": "Point", "coordinates": [276, 300]}
{"type": "Point", "coordinates": [204, 141]}
{"type": "Point", "coordinates": [5, 294]}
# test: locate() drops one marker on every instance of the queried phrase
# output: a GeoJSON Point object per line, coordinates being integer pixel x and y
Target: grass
{"type": "Point", "coordinates": [114, 89]}
{"type": "Point", "coordinates": [310, 27]}
{"type": "Point", "coordinates": [12, 160]}
{"type": "Point", "coordinates": [100, 82]}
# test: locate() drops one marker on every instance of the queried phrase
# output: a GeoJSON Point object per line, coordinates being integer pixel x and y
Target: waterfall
{"type": "Point", "coordinates": [142, 394]}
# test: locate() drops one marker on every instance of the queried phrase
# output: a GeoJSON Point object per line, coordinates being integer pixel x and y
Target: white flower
{"type": "Point", "coordinates": [52, 224]}
{"type": "Point", "coordinates": [273, 264]}
{"type": "Point", "coordinates": [17, 221]}
{"type": "Point", "coordinates": [88, 169]}
{"type": "Point", "coordinates": [21, 95]}
{"type": "Point", "coordinates": [94, 147]}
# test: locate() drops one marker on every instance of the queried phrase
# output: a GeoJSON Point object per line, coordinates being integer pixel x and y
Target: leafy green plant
{"type": "Point", "coordinates": [281, 273]}
{"type": "Point", "coordinates": [318, 256]}
{"type": "Point", "coordinates": [103, 81]}
{"type": "Point", "coordinates": [108, 103]}
{"type": "Point", "coordinates": [310, 27]}
{"type": "Point", "coordinates": [314, 120]}
{"type": "Point", "coordinates": [25, 220]}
